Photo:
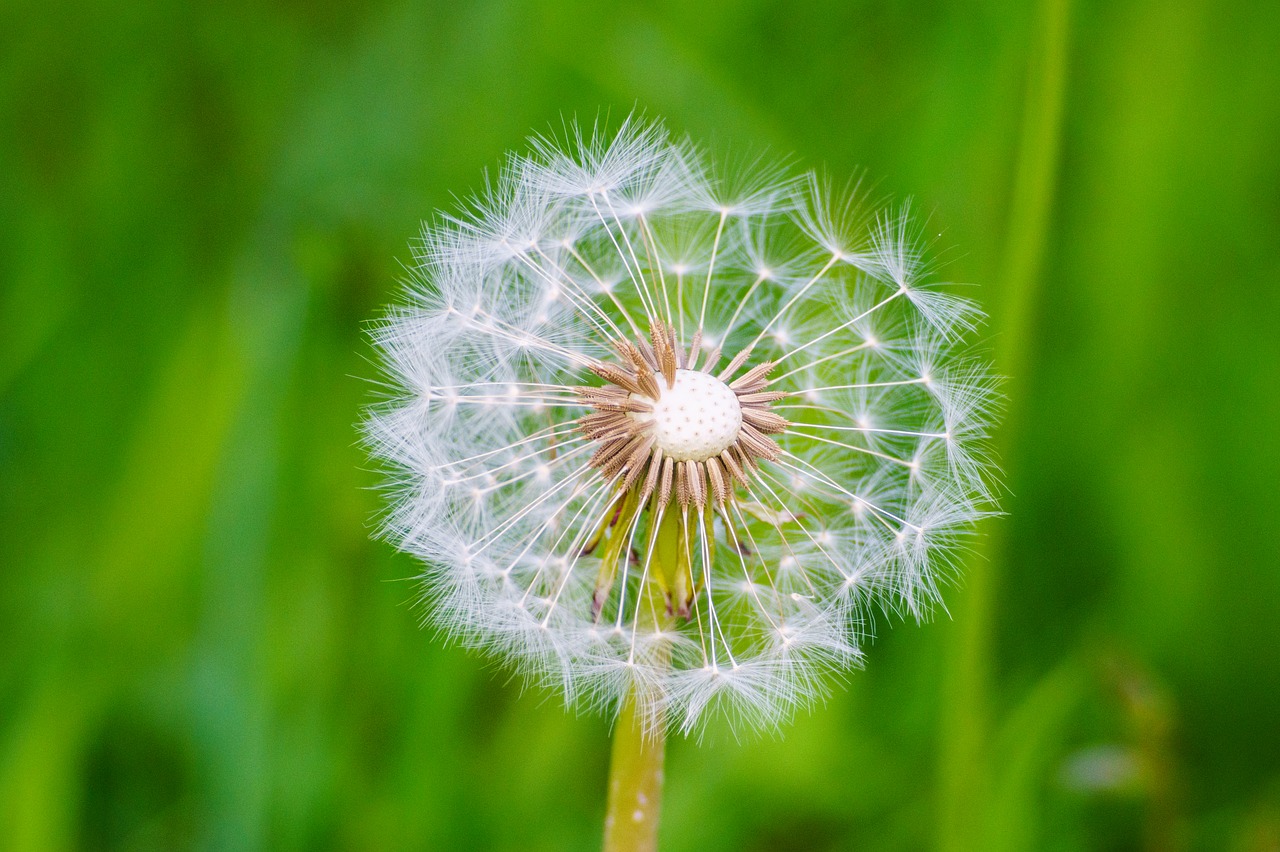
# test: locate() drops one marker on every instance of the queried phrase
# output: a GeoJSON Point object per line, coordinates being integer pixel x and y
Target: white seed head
{"type": "Point", "coordinates": [697, 418]}
{"type": "Point", "coordinates": [661, 429]}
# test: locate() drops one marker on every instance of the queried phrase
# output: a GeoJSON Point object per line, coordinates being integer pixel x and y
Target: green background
{"type": "Point", "coordinates": [203, 204]}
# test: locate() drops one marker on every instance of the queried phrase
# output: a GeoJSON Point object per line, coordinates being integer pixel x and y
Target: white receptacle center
{"type": "Point", "coordinates": [696, 419]}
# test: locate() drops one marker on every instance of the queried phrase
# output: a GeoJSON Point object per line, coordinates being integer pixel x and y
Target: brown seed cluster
{"type": "Point", "coordinates": [628, 449]}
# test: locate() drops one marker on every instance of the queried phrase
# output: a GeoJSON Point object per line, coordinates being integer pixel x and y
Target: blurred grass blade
{"type": "Point", "coordinates": [1023, 755]}
{"type": "Point", "coordinates": [965, 782]}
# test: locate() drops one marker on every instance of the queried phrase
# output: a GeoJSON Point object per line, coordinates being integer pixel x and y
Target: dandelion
{"type": "Point", "coordinates": [667, 437]}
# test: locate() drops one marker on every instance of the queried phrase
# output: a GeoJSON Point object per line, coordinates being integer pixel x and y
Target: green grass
{"type": "Point", "coordinates": [202, 206]}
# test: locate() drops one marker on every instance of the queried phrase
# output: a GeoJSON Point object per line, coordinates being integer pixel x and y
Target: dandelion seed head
{"type": "Point", "coordinates": [663, 427]}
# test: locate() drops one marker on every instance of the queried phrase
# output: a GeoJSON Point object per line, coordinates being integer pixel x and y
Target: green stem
{"type": "Point", "coordinates": [635, 783]}
{"type": "Point", "coordinates": [639, 738]}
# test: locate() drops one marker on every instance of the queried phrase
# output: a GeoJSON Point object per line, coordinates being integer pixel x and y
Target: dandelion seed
{"type": "Point", "coordinates": [662, 433]}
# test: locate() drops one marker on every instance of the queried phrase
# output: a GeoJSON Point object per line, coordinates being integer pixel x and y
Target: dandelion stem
{"type": "Point", "coordinates": [635, 782]}
{"type": "Point", "coordinates": [639, 737]}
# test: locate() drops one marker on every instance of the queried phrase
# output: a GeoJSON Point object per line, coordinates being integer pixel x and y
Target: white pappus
{"type": "Point", "coordinates": [661, 430]}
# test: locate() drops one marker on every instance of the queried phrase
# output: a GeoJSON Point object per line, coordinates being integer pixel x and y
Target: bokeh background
{"type": "Point", "coordinates": [203, 204]}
